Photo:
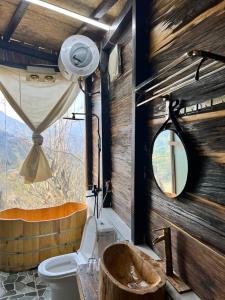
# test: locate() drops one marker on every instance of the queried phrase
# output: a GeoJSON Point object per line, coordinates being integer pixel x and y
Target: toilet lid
{"type": "Point", "coordinates": [89, 238]}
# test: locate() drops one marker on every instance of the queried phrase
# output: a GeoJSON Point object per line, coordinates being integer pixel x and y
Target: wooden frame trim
{"type": "Point", "coordinates": [29, 51]}
{"type": "Point", "coordinates": [99, 12]}
{"type": "Point", "coordinates": [140, 59]}
{"type": "Point", "coordinates": [119, 25]}
{"type": "Point", "coordinates": [15, 20]}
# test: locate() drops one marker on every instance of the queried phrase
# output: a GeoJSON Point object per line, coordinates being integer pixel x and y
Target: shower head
{"type": "Point", "coordinates": [73, 118]}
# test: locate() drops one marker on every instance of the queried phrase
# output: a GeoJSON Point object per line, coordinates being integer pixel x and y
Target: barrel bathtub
{"type": "Point", "coordinates": [28, 237]}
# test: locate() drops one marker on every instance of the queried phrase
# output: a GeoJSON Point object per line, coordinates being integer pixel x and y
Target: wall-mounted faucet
{"type": "Point", "coordinates": [166, 237]}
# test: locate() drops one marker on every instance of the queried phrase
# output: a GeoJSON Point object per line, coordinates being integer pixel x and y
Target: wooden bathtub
{"type": "Point", "coordinates": [28, 237]}
{"type": "Point", "coordinates": [127, 273]}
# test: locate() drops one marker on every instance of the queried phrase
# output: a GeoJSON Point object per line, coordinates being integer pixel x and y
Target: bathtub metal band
{"type": "Point", "coordinates": [23, 238]}
{"type": "Point", "coordinates": [11, 269]}
{"type": "Point", "coordinates": [42, 249]}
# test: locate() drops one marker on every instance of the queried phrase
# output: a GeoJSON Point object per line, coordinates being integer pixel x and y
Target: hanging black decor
{"type": "Point", "coordinates": [169, 154]}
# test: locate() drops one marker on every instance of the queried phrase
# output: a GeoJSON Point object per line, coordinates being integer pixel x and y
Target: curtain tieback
{"type": "Point", "coordinates": [37, 139]}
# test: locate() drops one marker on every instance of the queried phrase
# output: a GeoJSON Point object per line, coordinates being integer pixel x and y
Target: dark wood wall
{"type": "Point", "coordinates": [197, 217]}
{"type": "Point", "coordinates": [121, 128]}
{"type": "Point", "coordinates": [120, 105]}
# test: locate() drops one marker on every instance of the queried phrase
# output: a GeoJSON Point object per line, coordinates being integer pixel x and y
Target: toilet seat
{"type": "Point", "coordinates": [59, 266]}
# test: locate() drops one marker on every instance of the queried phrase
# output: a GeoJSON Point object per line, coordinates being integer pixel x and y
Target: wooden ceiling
{"type": "Point", "coordinates": [45, 29]}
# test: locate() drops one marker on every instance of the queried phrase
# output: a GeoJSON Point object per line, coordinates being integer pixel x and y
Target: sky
{"type": "Point", "coordinates": [7, 109]}
{"type": "Point", "coordinates": [77, 106]}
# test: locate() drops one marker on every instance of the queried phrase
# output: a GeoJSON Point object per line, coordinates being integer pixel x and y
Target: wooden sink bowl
{"type": "Point", "coordinates": [126, 273]}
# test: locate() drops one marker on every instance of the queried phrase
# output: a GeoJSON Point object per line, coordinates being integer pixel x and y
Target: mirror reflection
{"type": "Point", "coordinates": [170, 163]}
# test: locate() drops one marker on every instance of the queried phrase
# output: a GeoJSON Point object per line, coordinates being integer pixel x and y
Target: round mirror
{"type": "Point", "coordinates": [170, 163]}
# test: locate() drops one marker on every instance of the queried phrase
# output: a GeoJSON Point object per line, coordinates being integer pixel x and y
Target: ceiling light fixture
{"type": "Point", "coordinates": [70, 14]}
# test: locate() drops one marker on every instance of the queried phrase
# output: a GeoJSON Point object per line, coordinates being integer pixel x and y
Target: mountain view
{"type": "Point", "coordinates": [14, 145]}
{"type": "Point", "coordinates": [64, 148]}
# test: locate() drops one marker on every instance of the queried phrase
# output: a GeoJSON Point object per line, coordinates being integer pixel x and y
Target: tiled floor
{"type": "Point", "coordinates": [23, 285]}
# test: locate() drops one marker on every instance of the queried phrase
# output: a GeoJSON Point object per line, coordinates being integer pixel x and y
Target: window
{"type": "Point", "coordinates": [64, 148]}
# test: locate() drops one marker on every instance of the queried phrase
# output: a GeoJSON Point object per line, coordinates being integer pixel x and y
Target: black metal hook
{"type": "Point", "coordinates": [174, 108]}
{"type": "Point", "coordinates": [198, 69]}
{"type": "Point", "coordinates": [205, 55]}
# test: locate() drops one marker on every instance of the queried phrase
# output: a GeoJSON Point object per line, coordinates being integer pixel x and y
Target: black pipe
{"type": "Point", "coordinates": [96, 189]}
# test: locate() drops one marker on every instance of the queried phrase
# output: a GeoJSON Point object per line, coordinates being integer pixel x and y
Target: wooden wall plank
{"type": "Point", "coordinates": [174, 30]}
{"type": "Point", "coordinates": [202, 268]}
{"type": "Point", "coordinates": [120, 112]}
{"type": "Point", "coordinates": [181, 26]}
{"type": "Point", "coordinates": [201, 209]}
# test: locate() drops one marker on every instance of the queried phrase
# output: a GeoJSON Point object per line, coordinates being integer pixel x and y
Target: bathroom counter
{"type": "Point", "coordinates": [87, 284]}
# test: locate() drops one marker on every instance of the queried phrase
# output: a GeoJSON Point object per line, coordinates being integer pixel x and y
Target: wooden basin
{"type": "Point", "coordinates": [126, 273]}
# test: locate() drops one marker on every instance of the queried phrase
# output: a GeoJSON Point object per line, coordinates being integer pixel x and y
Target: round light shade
{"type": "Point", "coordinates": [79, 56]}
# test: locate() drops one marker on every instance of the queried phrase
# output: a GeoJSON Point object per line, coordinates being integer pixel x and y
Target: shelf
{"type": "Point", "coordinates": [190, 70]}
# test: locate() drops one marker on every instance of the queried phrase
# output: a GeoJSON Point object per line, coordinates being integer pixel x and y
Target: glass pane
{"type": "Point", "coordinates": [169, 162]}
{"type": "Point", "coordinates": [64, 148]}
{"type": "Point", "coordinates": [162, 163]}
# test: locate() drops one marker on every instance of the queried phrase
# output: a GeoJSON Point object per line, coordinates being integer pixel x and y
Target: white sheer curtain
{"type": "Point", "coordinates": [39, 104]}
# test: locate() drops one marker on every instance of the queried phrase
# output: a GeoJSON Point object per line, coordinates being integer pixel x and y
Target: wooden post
{"type": "Point", "coordinates": [140, 69]}
{"type": "Point", "coordinates": [141, 31]}
{"type": "Point", "coordinates": [139, 200]}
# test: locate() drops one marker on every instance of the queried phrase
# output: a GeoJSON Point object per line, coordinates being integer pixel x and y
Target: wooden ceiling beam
{"type": "Point", "coordinates": [118, 27]}
{"type": "Point", "coordinates": [12, 64]}
{"type": "Point", "coordinates": [15, 20]}
{"type": "Point", "coordinates": [29, 51]}
{"type": "Point", "coordinates": [99, 12]}
{"type": "Point", "coordinates": [103, 8]}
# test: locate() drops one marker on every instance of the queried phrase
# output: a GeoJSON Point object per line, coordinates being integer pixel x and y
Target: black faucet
{"type": "Point", "coordinates": [166, 237]}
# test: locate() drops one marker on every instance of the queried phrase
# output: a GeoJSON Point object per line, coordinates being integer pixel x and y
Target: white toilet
{"type": "Point", "coordinates": [60, 271]}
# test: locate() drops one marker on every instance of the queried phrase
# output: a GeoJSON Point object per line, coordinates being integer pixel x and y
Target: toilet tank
{"type": "Point", "coordinates": [106, 235]}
